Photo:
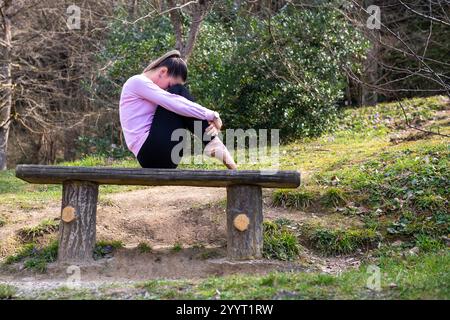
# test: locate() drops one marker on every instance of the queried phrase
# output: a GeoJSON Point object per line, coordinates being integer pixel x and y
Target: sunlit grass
{"type": "Point", "coordinates": [415, 277]}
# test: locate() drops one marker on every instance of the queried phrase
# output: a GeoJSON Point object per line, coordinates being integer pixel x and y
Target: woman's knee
{"type": "Point", "coordinates": [176, 88]}
{"type": "Point", "coordinates": [181, 90]}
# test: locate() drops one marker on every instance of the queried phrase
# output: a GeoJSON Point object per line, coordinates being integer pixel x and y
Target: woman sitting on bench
{"type": "Point", "coordinates": [154, 104]}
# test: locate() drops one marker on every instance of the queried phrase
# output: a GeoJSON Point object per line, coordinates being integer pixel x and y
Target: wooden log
{"type": "Point", "coordinates": [156, 177]}
{"type": "Point", "coordinates": [241, 222]}
{"type": "Point", "coordinates": [244, 222]}
{"type": "Point", "coordinates": [78, 222]}
{"type": "Point", "coordinates": [68, 214]}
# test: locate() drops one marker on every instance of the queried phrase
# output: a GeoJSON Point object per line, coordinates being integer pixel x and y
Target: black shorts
{"type": "Point", "coordinates": [156, 152]}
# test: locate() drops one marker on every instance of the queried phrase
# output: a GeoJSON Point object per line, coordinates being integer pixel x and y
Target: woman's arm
{"type": "Point", "coordinates": [148, 90]}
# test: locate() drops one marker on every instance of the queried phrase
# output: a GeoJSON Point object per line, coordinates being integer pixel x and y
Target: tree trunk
{"type": "Point", "coordinates": [78, 222]}
{"type": "Point", "coordinates": [70, 136]}
{"type": "Point", "coordinates": [198, 12]}
{"type": "Point", "coordinates": [132, 9]}
{"type": "Point", "coordinates": [369, 95]}
{"type": "Point", "coordinates": [244, 222]}
{"type": "Point", "coordinates": [4, 133]}
{"type": "Point", "coordinates": [47, 150]}
{"type": "Point", "coordinates": [6, 103]}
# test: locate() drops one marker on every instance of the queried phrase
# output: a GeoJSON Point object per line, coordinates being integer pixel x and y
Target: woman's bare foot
{"type": "Point", "coordinates": [216, 149]}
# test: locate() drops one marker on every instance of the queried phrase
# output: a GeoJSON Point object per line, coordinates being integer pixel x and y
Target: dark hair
{"type": "Point", "coordinates": [176, 66]}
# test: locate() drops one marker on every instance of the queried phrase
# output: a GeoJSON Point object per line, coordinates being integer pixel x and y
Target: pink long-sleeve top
{"type": "Point", "coordinates": [138, 103]}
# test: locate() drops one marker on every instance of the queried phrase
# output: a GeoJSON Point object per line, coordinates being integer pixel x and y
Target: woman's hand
{"type": "Point", "coordinates": [212, 129]}
{"type": "Point", "coordinates": [214, 126]}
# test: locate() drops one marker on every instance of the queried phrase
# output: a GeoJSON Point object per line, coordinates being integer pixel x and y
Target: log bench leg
{"type": "Point", "coordinates": [78, 222]}
{"type": "Point", "coordinates": [244, 222]}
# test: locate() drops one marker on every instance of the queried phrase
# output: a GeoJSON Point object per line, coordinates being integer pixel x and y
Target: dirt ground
{"type": "Point", "coordinates": [161, 216]}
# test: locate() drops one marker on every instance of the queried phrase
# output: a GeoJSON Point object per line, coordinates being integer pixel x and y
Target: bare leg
{"type": "Point", "coordinates": [214, 148]}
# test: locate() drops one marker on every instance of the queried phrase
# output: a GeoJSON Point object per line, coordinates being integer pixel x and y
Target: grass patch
{"type": "Point", "coordinates": [416, 277]}
{"type": "Point", "coordinates": [106, 248]}
{"type": "Point", "coordinates": [9, 182]}
{"type": "Point", "coordinates": [177, 247]}
{"type": "Point", "coordinates": [405, 190]}
{"type": "Point", "coordinates": [341, 241]}
{"type": "Point", "coordinates": [34, 256]}
{"type": "Point", "coordinates": [417, 176]}
{"type": "Point", "coordinates": [19, 193]}
{"type": "Point", "coordinates": [298, 198]}
{"type": "Point", "coordinates": [66, 293]}
{"type": "Point", "coordinates": [409, 224]}
{"type": "Point", "coordinates": [334, 197]}
{"type": "Point", "coordinates": [428, 244]}
{"type": "Point", "coordinates": [101, 161]}
{"type": "Point", "coordinates": [280, 242]}
{"type": "Point", "coordinates": [2, 221]}
{"type": "Point", "coordinates": [30, 234]}
{"type": "Point", "coordinates": [144, 247]}
{"type": "Point", "coordinates": [388, 116]}
{"type": "Point", "coordinates": [7, 291]}
{"type": "Point", "coordinates": [37, 257]}
{"type": "Point", "coordinates": [209, 254]}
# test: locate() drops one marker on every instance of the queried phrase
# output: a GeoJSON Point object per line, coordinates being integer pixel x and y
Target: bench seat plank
{"type": "Point", "coordinates": [45, 174]}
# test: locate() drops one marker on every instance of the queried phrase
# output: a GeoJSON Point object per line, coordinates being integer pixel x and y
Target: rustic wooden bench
{"type": "Point", "coordinates": [80, 192]}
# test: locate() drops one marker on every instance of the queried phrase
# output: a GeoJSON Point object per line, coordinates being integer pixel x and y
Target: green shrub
{"type": "Point", "coordinates": [247, 92]}
{"type": "Point", "coordinates": [101, 146]}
